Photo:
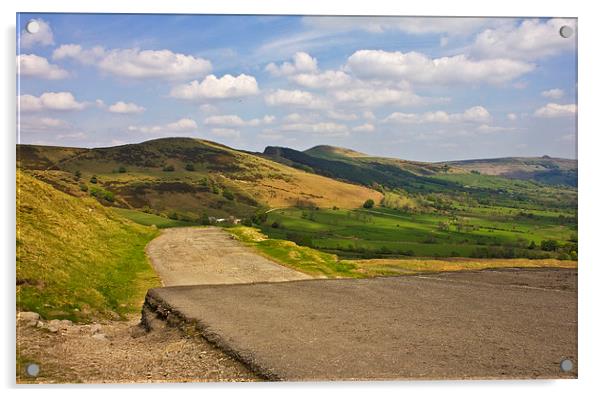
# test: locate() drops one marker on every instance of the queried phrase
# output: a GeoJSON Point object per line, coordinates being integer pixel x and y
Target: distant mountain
{"type": "Point", "coordinates": [184, 175]}
{"type": "Point", "coordinates": [549, 170]}
{"type": "Point", "coordinates": [451, 178]}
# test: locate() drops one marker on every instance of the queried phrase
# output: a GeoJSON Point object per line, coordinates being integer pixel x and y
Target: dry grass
{"type": "Point", "coordinates": [396, 266]}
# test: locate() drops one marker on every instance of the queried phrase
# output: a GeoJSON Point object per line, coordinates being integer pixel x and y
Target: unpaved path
{"type": "Point", "coordinates": [125, 354]}
{"type": "Point", "coordinates": [209, 255]}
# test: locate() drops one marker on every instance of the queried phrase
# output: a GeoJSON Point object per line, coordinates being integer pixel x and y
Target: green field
{"type": "Point", "coordinates": [322, 264]}
{"type": "Point", "coordinates": [382, 232]}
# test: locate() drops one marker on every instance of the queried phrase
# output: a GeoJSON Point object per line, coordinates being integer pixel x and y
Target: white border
{"type": "Point", "coordinates": [589, 156]}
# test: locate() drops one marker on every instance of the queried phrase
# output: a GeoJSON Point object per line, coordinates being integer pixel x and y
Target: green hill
{"type": "Point", "coordinates": [549, 170]}
{"type": "Point", "coordinates": [456, 180]}
{"type": "Point", "coordinates": [186, 178]}
{"type": "Point", "coordinates": [75, 258]}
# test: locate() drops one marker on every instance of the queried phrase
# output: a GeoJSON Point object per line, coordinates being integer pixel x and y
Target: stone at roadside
{"type": "Point", "coordinates": [54, 325]}
{"type": "Point", "coordinates": [29, 318]}
{"type": "Point", "coordinates": [99, 336]}
{"type": "Point", "coordinates": [95, 328]}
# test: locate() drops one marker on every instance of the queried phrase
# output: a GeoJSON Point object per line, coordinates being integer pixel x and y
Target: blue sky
{"type": "Point", "coordinates": [430, 89]}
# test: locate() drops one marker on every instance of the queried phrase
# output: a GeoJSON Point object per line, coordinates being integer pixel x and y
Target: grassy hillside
{"type": "Point", "coordinates": [75, 258]}
{"type": "Point", "coordinates": [424, 179]}
{"type": "Point", "coordinates": [553, 171]}
{"type": "Point", "coordinates": [185, 178]}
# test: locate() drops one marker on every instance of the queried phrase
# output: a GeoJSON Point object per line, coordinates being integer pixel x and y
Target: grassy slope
{"type": "Point", "coordinates": [75, 258]}
{"type": "Point", "coordinates": [542, 169]}
{"type": "Point", "coordinates": [438, 178]}
{"type": "Point", "coordinates": [254, 181]}
{"type": "Point", "coordinates": [146, 219]}
{"type": "Point", "coordinates": [321, 264]}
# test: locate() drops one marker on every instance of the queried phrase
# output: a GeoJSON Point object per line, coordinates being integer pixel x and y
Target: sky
{"type": "Point", "coordinates": [417, 88]}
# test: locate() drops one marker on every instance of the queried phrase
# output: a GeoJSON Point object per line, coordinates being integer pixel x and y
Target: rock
{"type": "Point", "coordinates": [66, 324]}
{"type": "Point", "coordinates": [40, 324]}
{"type": "Point", "coordinates": [29, 318]}
{"type": "Point", "coordinates": [99, 336]}
{"type": "Point", "coordinates": [95, 328]}
{"type": "Point", "coordinates": [56, 325]}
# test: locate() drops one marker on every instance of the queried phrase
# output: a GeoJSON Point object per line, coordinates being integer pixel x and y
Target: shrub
{"type": "Point", "coordinates": [93, 179]}
{"type": "Point", "coordinates": [122, 170]}
{"type": "Point", "coordinates": [78, 174]}
{"type": "Point", "coordinates": [369, 203]}
{"type": "Point", "coordinates": [83, 187]}
{"type": "Point", "coordinates": [549, 245]}
{"type": "Point", "coordinates": [169, 168]}
{"type": "Point", "coordinates": [189, 167]}
{"type": "Point", "coordinates": [275, 225]}
{"type": "Point", "coordinates": [228, 195]}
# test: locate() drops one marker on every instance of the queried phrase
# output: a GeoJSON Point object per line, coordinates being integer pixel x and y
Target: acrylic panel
{"type": "Point", "coordinates": [295, 198]}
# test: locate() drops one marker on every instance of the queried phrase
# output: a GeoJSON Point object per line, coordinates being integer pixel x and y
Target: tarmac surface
{"type": "Point", "coordinates": [464, 325]}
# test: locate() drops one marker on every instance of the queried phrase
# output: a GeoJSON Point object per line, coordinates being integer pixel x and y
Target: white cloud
{"type": "Point", "coordinates": [35, 66]}
{"type": "Point", "coordinates": [212, 87]}
{"type": "Point", "coordinates": [74, 135]}
{"type": "Point", "coordinates": [42, 124]}
{"type": "Point", "coordinates": [327, 79]}
{"type": "Point", "coordinates": [490, 128]}
{"type": "Point", "coordinates": [208, 108]}
{"type": "Point", "coordinates": [67, 51]}
{"type": "Point", "coordinates": [416, 67]}
{"type": "Point", "coordinates": [554, 93]}
{"type": "Point", "coordinates": [323, 129]}
{"type": "Point", "coordinates": [136, 63]}
{"type": "Point", "coordinates": [475, 114]}
{"type": "Point", "coordinates": [294, 98]}
{"type": "Point", "coordinates": [412, 25]}
{"type": "Point", "coordinates": [182, 125]}
{"type": "Point", "coordinates": [511, 116]}
{"type": "Point", "coordinates": [556, 110]}
{"type": "Point", "coordinates": [367, 127]}
{"type": "Point", "coordinates": [341, 116]}
{"type": "Point", "coordinates": [368, 115]}
{"type": "Point", "coordinates": [126, 108]}
{"type": "Point", "coordinates": [237, 121]}
{"type": "Point", "coordinates": [378, 96]}
{"type": "Point", "coordinates": [225, 132]}
{"type": "Point", "coordinates": [531, 39]}
{"type": "Point", "coordinates": [302, 63]}
{"type": "Point", "coordinates": [42, 37]}
{"type": "Point", "coordinates": [50, 101]}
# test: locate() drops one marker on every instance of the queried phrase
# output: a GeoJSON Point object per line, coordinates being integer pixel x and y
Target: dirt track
{"type": "Point", "coordinates": [196, 256]}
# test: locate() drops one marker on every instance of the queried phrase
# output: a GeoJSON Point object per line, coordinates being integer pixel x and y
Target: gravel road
{"type": "Point", "coordinates": [209, 255]}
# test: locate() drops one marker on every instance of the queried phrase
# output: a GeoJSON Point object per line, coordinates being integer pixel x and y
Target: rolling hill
{"type": "Point", "coordinates": [184, 178]}
{"type": "Point", "coordinates": [77, 259]}
{"type": "Point", "coordinates": [548, 182]}
{"type": "Point", "coordinates": [549, 170]}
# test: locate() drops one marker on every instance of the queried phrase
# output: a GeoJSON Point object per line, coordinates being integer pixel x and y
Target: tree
{"type": "Point", "coordinates": [549, 245]}
{"type": "Point", "coordinates": [369, 203]}
{"type": "Point", "coordinates": [78, 174]}
{"type": "Point", "coordinates": [532, 246]}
